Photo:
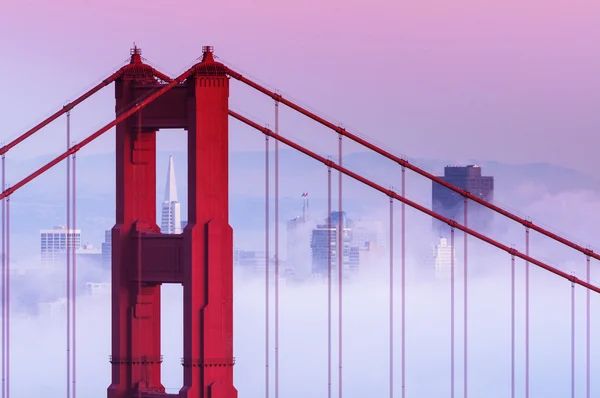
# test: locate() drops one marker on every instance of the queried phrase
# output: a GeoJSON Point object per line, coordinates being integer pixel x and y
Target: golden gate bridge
{"type": "Point", "coordinates": [200, 258]}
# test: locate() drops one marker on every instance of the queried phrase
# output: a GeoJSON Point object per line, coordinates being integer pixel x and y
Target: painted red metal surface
{"type": "Point", "coordinates": [201, 258]}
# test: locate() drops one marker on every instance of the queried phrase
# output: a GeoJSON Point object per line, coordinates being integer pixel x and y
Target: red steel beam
{"type": "Point", "coordinates": [405, 163]}
{"type": "Point", "coordinates": [412, 204]}
{"type": "Point", "coordinates": [119, 119]}
{"type": "Point", "coordinates": [61, 112]}
{"type": "Point", "coordinates": [162, 76]}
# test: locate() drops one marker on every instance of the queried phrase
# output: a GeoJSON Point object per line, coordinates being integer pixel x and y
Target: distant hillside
{"type": "Point", "coordinates": [41, 204]}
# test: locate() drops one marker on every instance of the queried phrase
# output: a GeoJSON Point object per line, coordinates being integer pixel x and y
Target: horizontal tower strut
{"type": "Point", "coordinates": [61, 112]}
{"type": "Point", "coordinates": [405, 163]}
{"type": "Point", "coordinates": [412, 204]}
{"type": "Point", "coordinates": [97, 134]}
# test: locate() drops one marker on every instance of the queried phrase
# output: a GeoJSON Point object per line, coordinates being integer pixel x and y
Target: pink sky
{"type": "Point", "coordinates": [513, 81]}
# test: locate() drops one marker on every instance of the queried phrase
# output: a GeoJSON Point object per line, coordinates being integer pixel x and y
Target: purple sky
{"type": "Point", "coordinates": [512, 80]}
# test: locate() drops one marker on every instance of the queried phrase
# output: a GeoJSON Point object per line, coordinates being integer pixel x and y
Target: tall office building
{"type": "Point", "coordinates": [171, 209]}
{"type": "Point", "coordinates": [54, 243]}
{"type": "Point", "coordinates": [298, 242]}
{"type": "Point", "coordinates": [107, 249]}
{"type": "Point", "coordinates": [324, 245]}
{"type": "Point", "coordinates": [451, 204]}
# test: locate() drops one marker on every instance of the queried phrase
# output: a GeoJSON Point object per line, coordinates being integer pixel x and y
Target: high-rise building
{"type": "Point", "coordinates": [324, 245]}
{"type": "Point", "coordinates": [450, 204]}
{"type": "Point", "coordinates": [171, 209]}
{"type": "Point", "coordinates": [298, 242]}
{"type": "Point", "coordinates": [54, 243]}
{"type": "Point", "coordinates": [442, 259]}
{"type": "Point", "coordinates": [107, 249]}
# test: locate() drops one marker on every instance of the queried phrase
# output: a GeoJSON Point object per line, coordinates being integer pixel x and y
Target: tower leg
{"type": "Point", "coordinates": [208, 248]}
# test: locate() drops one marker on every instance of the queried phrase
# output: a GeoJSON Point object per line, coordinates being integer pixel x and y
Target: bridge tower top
{"type": "Point", "coordinates": [136, 55]}
{"type": "Point", "coordinates": [207, 54]}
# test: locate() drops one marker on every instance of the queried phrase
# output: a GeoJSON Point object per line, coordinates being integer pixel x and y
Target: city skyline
{"type": "Point", "coordinates": [258, 104]}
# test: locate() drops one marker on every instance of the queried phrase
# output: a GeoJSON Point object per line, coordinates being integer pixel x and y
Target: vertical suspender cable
{"type": "Point", "coordinates": [466, 306]}
{"type": "Point", "coordinates": [527, 314]}
{"type": "Point", "coordinates": [512, 326]}
{"type": "Point", "coordinates": [276, 251]}
{"type": "Point", "coordinates": [572, 340]}
{"type": "Point", "coordinates": [340, 258]}
{"type": "Point", "coordinates": [267, 266]}
{"type": "Point", "coordinates": [587, 328]}
{"type": "Point", "coordinates": [68, 249]}
{"type": "Point", "coordinates": [4, 272]}
{"type": "Point", "coordinates": [329, 234]}
{"type": "Point", "coordinates": [8, 296]}
{"type": "Point", "coordinates": [403, 287]}
{"type": "Point", "coordinates": [452, 312]}
{"type": "Point", "coordinates": [391, 297]}
{"type": "Point", "coordinates": [74, 279]}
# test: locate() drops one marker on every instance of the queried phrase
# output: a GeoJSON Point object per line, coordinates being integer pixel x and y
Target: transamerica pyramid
{"type": "Point", "coordinates": [171, 209]}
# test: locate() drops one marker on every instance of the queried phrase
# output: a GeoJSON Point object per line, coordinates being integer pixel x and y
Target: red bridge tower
{"type": "Point", "coordinates": [200, 258]}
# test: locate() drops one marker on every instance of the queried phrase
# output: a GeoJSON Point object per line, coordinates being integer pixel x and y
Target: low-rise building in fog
{"type": "Point", "coordinates": [442, 259]}
{"type": "Point", "coordinates": [97, 289]}
{"type": "Point", "coordinates": [55, 310]}
{"type": "Point", "coordinates": [55, 242]}
{"type": "Point", "coordinates": [250, 260]}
